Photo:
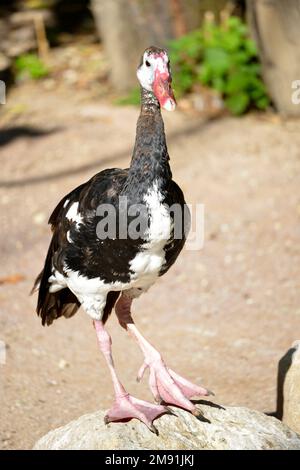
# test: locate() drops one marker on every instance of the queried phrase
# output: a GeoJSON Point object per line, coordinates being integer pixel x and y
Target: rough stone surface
{"type": "Point", "coordinates": [291, 391]}
{"type": "Point", "coordinates": [229, 428]}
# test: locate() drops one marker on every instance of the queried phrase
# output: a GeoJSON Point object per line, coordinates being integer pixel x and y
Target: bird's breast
{"type": "Point", "coordinates": [148, 262]}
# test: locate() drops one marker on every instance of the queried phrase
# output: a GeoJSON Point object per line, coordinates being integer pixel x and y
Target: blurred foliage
{"type": "Point", "coordinates": [224, 58]}
{"type": "Point", "coordinates": [132, 98]}
{"type": "Point", "coordinates": [30, 65]}
{"type": "Point", "coordinates": [38, 4]}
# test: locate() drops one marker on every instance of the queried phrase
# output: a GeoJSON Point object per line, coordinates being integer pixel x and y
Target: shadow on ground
{"type": "Point", "coordinates": [10, 134]}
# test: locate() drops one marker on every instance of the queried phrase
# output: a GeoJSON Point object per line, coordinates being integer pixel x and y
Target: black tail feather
{"type": "Point", "coordinates": [111, 299]}
{"type": "Point", "coordinates": [52, 305]}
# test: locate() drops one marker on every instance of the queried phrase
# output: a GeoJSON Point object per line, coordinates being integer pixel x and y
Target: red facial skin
{"type": "Point", "coordinates": [162, 87]}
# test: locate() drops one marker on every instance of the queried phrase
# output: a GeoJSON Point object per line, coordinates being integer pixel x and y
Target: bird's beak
{"type": "Point", "coordinates": [163, 90]}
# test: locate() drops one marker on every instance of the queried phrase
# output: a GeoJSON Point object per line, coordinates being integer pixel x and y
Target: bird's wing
{"type": "Point", "coordinates": [102, 187]}
{"type": "Point", "coordinates": [86, 197]}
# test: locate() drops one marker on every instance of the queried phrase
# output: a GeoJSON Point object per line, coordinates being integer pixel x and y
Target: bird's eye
{"type": "Point", "coordinates": [147, 63]}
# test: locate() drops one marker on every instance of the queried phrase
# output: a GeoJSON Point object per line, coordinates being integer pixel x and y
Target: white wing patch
{"type": "Point", "coordinates": [73, 214]}
{"type": "Point", "coordinates": [57, 281]}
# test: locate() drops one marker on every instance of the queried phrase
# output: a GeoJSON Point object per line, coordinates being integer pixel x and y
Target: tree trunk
{"type": "Point", "coordinates": [275, 27]}
{"type": "Point", "coordinates": [127, 27]}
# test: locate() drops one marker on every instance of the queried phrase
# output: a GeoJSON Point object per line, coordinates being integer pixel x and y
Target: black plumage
{"type": "Point", "coordinates": [77, 248]}
{"type": "Point", "coordinates": [105, 253]}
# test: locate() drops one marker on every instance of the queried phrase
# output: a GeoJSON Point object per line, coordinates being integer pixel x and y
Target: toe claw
{"type": "Point", "coordinates": [197, 413]}
{"type": "Point", "coordinates": [170, 412]}
{"type": "Point", "coordinates": [210, 393]}
{"type": "Point", "coordinates": [153, 429]}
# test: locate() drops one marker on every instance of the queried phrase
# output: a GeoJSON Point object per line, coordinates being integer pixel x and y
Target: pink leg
{"type": "Point", "coordinates": [165, 384]}
{"type": "Point", "coordinates": [125, 406]}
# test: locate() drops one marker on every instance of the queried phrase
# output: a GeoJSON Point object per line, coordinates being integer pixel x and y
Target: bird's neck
{"type": "Point", "coordinates": [150, 160]}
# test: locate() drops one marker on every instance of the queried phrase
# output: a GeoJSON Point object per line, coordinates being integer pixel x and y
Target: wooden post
{"type": "Point", "coordinates": [41, 37]}
{"type": "Point", "coordinates": [126, 27]}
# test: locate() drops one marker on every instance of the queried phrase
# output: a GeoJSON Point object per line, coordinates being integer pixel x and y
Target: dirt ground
{"type": "Point", "coordinates": [223, 316]}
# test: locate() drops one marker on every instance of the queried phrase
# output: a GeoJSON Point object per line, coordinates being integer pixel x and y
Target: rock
{"type": "Point", "coordinates": [63, 364]}
{"type": "Point", "coordinates": [39, 218]}
{"type": "Point", "coordinates": [291, 390]}
{"type": "Point", "coordinates": [222, 428]}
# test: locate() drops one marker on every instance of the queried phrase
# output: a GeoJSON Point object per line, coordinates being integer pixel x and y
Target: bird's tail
{"type": "Point", "coordinates": [52, 305]}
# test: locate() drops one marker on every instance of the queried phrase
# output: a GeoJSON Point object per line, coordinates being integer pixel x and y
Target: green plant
{"type": "Point", "coordinates": [224, 58]}
{"type": "Point", "coordinates": [132, 98]}
{"type": "Point", "coordinates": [30, 65]}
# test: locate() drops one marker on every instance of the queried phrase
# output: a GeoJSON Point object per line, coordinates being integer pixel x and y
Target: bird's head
{"type": "Point", "coordinates": [154, 75]}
